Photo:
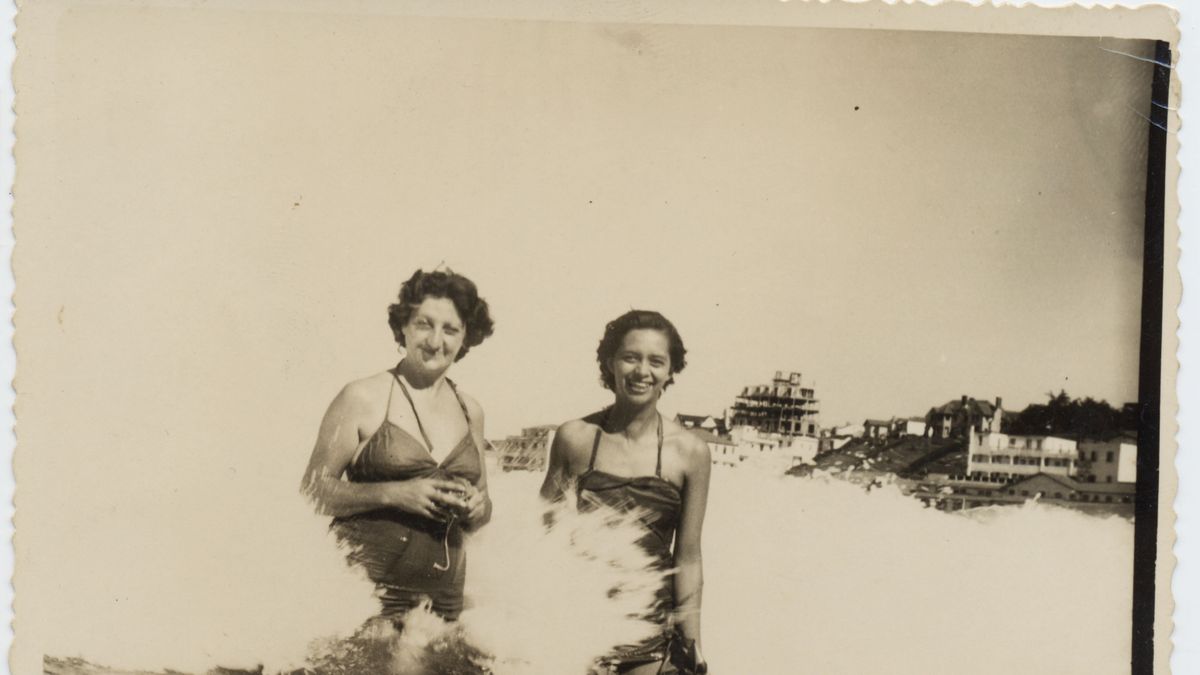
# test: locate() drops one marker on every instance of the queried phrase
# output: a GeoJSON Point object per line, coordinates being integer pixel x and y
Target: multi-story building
{"type": "Point", "coordinates": [529, 451]}
{"type": "Point", "coordinates": [1110, 461]}
{"type": "Point", "coordinates": [955, 418]}
{"type": "Point", "coordinates": [1001, 457]}
{"type": "Point", "coordinates": [785, 406]}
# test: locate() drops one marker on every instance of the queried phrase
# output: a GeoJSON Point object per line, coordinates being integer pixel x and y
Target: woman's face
{"type": "Point", "coordinates": [434, 335]}
{"type": "Point", "coordinates": [641, 367]}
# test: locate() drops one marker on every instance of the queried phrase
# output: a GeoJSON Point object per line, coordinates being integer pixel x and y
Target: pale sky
{"type": "Point", "coordinates": [973, 227]}
{"type": "Point", "coordinates": [902, 217]}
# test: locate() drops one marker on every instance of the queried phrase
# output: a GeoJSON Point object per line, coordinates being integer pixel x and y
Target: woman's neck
{"type": "Point", "coordinates": [419, 380]}
{"type": "Point", "coordinates": [632, 420]}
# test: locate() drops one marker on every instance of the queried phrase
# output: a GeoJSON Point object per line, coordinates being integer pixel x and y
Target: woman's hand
{"type": "Point", "coordinates": [434, 498]}
{"type": "Point", "coordinates": [476, 508]}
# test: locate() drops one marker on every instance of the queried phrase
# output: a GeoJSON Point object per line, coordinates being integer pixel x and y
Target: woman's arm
{"type": "Point", "coordinates": [558, 464]}
{"type": "Point", "coordinates": [479, 502]}
{"type": "Point", "coordinates": [341, 432]}
{"type": "Point", "coordinates": [689, 575]}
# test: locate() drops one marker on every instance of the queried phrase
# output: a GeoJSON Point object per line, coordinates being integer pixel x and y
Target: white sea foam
{"type": "Point", "coordinates": [801, 575]}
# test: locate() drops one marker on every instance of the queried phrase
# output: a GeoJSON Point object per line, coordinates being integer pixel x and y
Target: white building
{"type": "Point", "coordinates": [754, 444]}
{"type": "Point", "coordinates": [911, 426]}
{"type": "Point", "coordinates": [801, 449]}
{"type": "Point", "coordinates": [1111, 461]}
{"type": "Point", "coordinates": [847, 429]}
{"type": "Point", "coordinates": [721, 449]}
{"type": "Point", "coordinates": [999, 456]}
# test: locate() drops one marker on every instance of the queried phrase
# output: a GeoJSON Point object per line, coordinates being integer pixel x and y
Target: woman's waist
{"type": "Point", "coordinates": [386, 521]}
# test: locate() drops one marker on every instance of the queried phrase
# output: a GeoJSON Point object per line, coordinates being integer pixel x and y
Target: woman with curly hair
{"type": "Point", "coordinates": [398, 460]}
{"type": "Point", "coordinates": [628, 457]}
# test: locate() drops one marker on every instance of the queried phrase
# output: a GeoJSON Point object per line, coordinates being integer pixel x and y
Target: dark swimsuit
{"type": "Point", "coordinates": [409, 557]}
{"type": "Point", "coordinates": [661, 502]}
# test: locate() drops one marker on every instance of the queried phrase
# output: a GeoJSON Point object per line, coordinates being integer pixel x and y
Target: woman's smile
{"type": "Point", "coordinates": [639, 386]}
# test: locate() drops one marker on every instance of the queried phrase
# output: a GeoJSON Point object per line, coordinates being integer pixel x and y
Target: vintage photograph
{"type": "Point", "coordinates": [638, 340]}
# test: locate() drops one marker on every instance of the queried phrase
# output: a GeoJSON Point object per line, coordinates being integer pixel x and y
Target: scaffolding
{"type": "Point", "coordinates": [784, 407]}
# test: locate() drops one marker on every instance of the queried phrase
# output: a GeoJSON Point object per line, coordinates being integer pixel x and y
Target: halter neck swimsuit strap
{"type": "Point", "coordinates": [658, 460]}
{"type": "Point", "coordinates": [462, 404]}
{"type": "Point", "coordinates": [408, 396]}
{"type": "Point", "coordinates": [387, 410]}
{"type": "Point", "coordinates": [596, 445]}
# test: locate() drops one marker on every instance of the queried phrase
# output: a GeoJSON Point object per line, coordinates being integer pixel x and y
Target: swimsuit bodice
{"type": "Point", "coordinates": [658, 499]}
{"type": "Point", "coordinates": [392, 453]}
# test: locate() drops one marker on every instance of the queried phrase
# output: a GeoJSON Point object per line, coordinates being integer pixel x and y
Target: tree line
{"type": "Point", "coordinates": [1074, 418]}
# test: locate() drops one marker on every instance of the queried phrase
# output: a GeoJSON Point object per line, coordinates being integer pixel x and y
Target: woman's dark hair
{"type": "Point", "coordinates": [472, 309]}
{"type": "Point", "coordinates": [618, 328]}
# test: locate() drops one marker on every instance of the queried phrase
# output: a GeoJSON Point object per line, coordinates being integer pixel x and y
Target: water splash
{"type": "Point", "coordinates": [812, 575]}
{"type": "Point", "coordinates": [550, 589]}
{"type": "Point", "coordinates": [552, 600]}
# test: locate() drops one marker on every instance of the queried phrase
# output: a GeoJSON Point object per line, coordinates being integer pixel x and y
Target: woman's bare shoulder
{"type": "Point", "coordinates": [473, 408]}
{"type": "Point", "coordinates": [365, 395]}
{"type": "Point", "coordinates": [575, 431]}
{"type": "Point", "coordinates": [692, 448]}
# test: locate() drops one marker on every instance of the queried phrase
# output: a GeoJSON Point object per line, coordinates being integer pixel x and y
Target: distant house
{"type": "Point", "coordinates": [723, 450]}
{"type": "Point", "coordinates": [831, 443]}
{"type": "Point", "coordinates": [751, 443]}
{"type": "Point", "coordinates": [1109, 461]}
{"type": "Point", "coordinates": [801, 449]}
{"type": "Point", "coordinates": [954, 418]}
{"type": "Point", "coordinates": [708, 423]}
{"type": "Point", "coordinates": [876, 428]}
{"type": "Point", "coordinates": [847, 429]}
{"type": "Point", "coordinates": [952, 494]}
{"type": "Point", "coordinates": [1059, 488]}
{"type": "Point", "coordinates": [896, 427]}
{"type": "Point", "coordinates": [907, 426]}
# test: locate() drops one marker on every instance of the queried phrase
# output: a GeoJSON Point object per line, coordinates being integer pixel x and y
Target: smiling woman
{"type": "Point", "coordinates": [628, 458]}
{"type": "Point", "coordinates": [403, 476]}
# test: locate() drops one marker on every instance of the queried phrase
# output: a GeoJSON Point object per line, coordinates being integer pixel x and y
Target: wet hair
{"type": "Point", "coordinates": [472, 309]}
{"type": "Point", "coordinates": [634, 319]}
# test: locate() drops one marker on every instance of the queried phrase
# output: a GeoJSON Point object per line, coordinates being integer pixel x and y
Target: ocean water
{"type": "Point", "coordinates": [802, 575]}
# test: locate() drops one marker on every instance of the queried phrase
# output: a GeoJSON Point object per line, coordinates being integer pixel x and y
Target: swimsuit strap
{"type": "Point", "coordinates": [658, 463]}
{"type": "Point", "coordinates": [387, 412]}
{"type": "Point", "coordinates": [595, 447]}
{"type": "Point", "coordinates": [421, 427]}
{"type": "Point", "coordinates": [461, 404]}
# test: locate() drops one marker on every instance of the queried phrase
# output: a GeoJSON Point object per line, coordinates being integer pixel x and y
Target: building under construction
{"type": "Point", "coordinates": [783, 407]}
{"type": "Point", "coordinates": [527, 452]}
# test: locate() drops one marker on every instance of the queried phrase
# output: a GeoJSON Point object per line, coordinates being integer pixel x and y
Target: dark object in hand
{"type": "Point", "coordinates": [682, 653]}
{"type": "Point", "coordinates": [450, 513]}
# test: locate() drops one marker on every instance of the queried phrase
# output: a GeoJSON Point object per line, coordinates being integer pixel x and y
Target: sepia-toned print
{"type": "Point", "coordinates": [530, 340]}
